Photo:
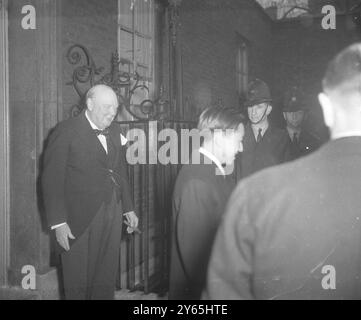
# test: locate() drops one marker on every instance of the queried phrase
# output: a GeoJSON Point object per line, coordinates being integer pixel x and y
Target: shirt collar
{"type": "Point", "coordinates": [346, 134]}
{"type": "Point", "coordinates": [123, 139]}
{"type": "Point", "coordinates": [255, 129]}
{"type": "Point", "coordinates": [291, 132]}
{"type": "Point", "coordinates": [213, 158]}
{"type": "Point", "coordinates": [91, 122]}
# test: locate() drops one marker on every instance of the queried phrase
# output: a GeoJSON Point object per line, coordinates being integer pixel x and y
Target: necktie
{"type": "Point", "coordinates": [259, 136]}
{"type": "Point", "coordinates": [295, 139]}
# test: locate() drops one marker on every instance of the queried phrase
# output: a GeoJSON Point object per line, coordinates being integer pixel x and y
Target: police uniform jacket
{"type": "Point", "coordinates": [273, 149]}
{"type": "Point", "coordinates": [306, 143]}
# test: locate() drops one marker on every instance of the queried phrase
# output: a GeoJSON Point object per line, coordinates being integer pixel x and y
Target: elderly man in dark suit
{"type": "Point", "coordinates": [86, 193]}
{"type": "Point", "coordinates": [200, 194]}
{"type": "Point", "coordinates": [293, 231]}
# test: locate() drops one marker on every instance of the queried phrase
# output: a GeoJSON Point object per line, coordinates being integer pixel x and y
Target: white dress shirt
{"type": "Point", "coordinates": [346, 134]}
{"type": "Point", "coordinates": [255, 129]}
{"type": "Point", "coordinates": [291, 133]}
{"type": "Point", "coordinates": [102, 138]}
{"type": "Point", "coordinates": [212, 157]}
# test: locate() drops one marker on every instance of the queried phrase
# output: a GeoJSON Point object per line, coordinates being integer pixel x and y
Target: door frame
{"type": "Point", "coordinates": [4, 146]}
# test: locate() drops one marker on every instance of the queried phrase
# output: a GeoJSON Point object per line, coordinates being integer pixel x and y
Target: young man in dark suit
{"type": "Point", "coordinates": [264, 144]}
{"type": "Point", "coordinates": [86, 193]}
{"type": "Point", "coordinates": [200, 194]}
{"type": "Point", "coordinates": [293, 231]}
{"type": "Point", "coordinates": [302, 141]}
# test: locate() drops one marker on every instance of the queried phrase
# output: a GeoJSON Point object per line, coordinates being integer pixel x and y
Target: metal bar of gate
{"type": "Point", "coordinates": [131, 247]}
{"type": "Point", "coordinates": [163, 181]}
{"type": "Point", "coordinates": [146, 220]}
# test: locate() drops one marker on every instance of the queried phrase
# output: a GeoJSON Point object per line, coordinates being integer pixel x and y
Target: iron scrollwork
{"type": "Point", "coordinates": [174, 19]}
{"type": "Point", "coordinates": [83, 75]}
{"type": "Point", "coordinates": [125, 84]}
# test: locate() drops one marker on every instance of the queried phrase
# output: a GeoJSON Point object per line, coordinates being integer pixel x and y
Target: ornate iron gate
{"type": "Point", "coordinates": [144, 258]}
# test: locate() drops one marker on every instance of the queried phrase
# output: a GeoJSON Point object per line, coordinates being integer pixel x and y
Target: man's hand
{"type": "Point", "coordinates": [132, 221]}
{"type": "Point", "coordinates": [62, 234]}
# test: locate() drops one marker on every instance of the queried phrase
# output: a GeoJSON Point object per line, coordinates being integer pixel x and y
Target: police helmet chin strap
{"type": "Point", "coordinates": [260, 120]}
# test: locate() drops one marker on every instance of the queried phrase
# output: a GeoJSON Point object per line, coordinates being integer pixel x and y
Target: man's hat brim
{"type": "Point", "coordinates": [294, 108]}
{"type": "Point", "coordinates": [252, 103]}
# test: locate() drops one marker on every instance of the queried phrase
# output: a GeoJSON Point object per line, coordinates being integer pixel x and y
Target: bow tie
{"type": "Point", "coordinates": [104, 132]}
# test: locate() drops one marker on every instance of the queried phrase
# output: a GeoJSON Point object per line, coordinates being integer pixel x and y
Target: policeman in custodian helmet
{"type": "Point", "coordinates": [295, 112]}
{"type": "Point", "coordinates": [263, 145]}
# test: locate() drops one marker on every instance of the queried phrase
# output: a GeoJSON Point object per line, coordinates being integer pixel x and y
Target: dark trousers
{"type": "Point", "coordinates": [90, 266]}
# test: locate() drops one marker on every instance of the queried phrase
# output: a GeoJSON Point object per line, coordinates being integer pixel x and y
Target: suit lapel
{"type": "Point", "coordinates": [91, 139]}
{"type": "Point", "coordinates": [267, 136]}
{"type": "Point", "coordinates": [112, 149]}
{"type": "Point", "coordinates": [115, 140]}
{"type": "Point", "coordinates": [249, 139]}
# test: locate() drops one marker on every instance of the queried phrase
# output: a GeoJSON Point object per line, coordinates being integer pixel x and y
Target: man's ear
{"type": "Point", "coordinates": [269, 109]}
{"type": "Point", "coordinates": [218, 138]}
{"type": "Point", "coordinates": [89, 104]}
{"type": "Point", "coordinates": [327, 109]}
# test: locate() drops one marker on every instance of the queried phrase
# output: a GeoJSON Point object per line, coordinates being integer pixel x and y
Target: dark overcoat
{"type": "Point", "coordinates": [293, 231]}
{"type": "Point", "coordinates": [199, 200]}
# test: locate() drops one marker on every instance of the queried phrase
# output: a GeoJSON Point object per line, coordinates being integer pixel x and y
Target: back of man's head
{"type": "Point", "coordinates": [344, 72]}
{"type": "Point", "coordinates": [341, 97]}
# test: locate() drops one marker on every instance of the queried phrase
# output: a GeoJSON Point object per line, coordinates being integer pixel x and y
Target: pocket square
{"type": "Point", "coordinates": [123, 140]}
